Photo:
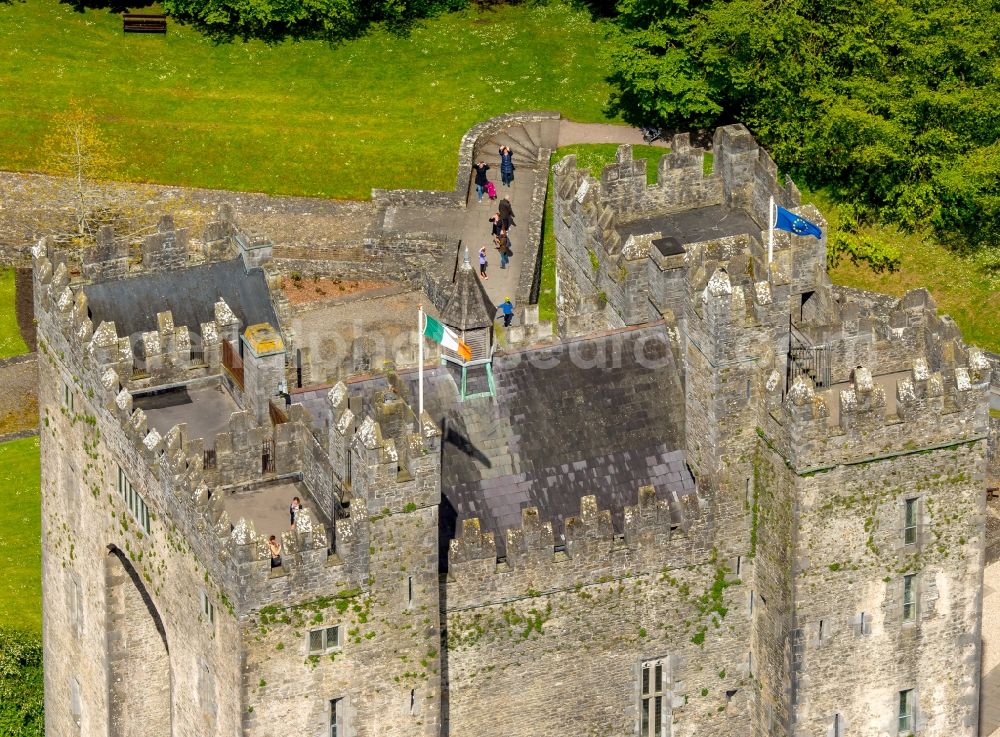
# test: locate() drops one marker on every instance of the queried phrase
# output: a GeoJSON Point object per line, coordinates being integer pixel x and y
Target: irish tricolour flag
{"type": "Point", "coordinates": [446, 337]}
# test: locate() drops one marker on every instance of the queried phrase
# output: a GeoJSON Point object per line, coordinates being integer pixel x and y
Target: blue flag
{"type": "Point", "coordinates": [787, 220]}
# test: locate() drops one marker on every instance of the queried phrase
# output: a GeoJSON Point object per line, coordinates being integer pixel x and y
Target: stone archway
{"type": "Point", "coordinates": [139, 681]}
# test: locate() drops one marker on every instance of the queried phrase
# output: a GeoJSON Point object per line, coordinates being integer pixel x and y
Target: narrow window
{"type": "Point", "coordinates": [75, 603]}
{"type": "Point", "coordinates": [906, 711]}
{"type": "Point", "coordinates": [133, 500]}
{"type": "Point", "coordinates": [335, 717]}
{"type": "Point", "coordinates": [207, 608]}
{"type": "Point", "coordinates": [750, 662]}
{"type": "Point", "coordinates": [751, 602]}
{"type": "Point", "coordinates": [652, 695]}
{"type": "Point", "coordinates": [324, 640]}
{"type": "Point", "coordinates": [747, 493]}
{"type": "Point", "coordinates": [413, 701]}
{"type": "Point", "coordinates": [910, 598]}
{"type": "Point", "coordinates": [68, 397]}
{"type": "Point", "coordinates": [75, 703]}
{"type": "Point", "coordinates": [739, 565]}
{"type": "Point", "coordinates": [910, 522]}
{"type": "Point", "coordinates": [748, 390]}
{"type": "Point", "coordinates": [409, 590]}
{"type": "Point", "coordinates": [822, 630]}
{"type": "Point", "coordinates": [837, 726]}
{"type": "Point", "coordinates": [864, 624]}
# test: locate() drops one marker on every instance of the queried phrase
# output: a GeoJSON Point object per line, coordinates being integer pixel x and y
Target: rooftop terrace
{"type": "Point", "coordinates": [205, 410]}
{"type": "Point", "coordinates": [266, 505]}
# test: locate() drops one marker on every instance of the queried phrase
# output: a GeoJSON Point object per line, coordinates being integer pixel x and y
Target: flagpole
{"type": "Point", "coordinates": [420, 364]}
{"type": "Point", "coordinates": [770, 231]}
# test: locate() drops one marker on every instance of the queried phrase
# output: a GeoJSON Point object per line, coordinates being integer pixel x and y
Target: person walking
{"type": "Point", "coordinates": [481, 168]}
{"type": "Point", "coordinates": [482, 262]}
{"type": "Point", "coordinates": [506, 213]}
{"type": "Point", "coordinates": [506, 166]}
{"type": "Point", "coordinates": [508, 312]}
{"type": "Point", "coordinates": [503, 246]}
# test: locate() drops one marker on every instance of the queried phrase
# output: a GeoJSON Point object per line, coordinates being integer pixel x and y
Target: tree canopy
{"type": "Point", "coordinates": [276, 19]}
{"type": "Point", "coordinates": [890, 103]}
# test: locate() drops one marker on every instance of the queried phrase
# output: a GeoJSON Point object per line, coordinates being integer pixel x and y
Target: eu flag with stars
{"type": "Point", "coordinates": [797, 224]}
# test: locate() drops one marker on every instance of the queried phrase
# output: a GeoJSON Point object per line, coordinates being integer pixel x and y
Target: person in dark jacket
{"type": "Point", "coordinates": [506, 213]}
{"type": "Point", "coordinates": [480, 169]}
{"type": "Point", "coordinates": [506, 166]}
{"type": "Point", "coordinates": [497, 222]}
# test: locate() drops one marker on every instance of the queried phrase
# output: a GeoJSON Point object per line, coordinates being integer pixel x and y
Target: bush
{"type": "Point", "coordinates": [273, 20]}
{"type": "Point", "coordinates": [22, 690]}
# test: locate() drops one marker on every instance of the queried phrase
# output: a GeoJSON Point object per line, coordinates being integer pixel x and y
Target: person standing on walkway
{"type": "Point", "coordinates": [481, 168]}
{"type": "Point", "coordinates": [506, 213]}
{"type": "Point", "coordinates": [293, 510]}
{"type": "Point", "coordinates": [482, 262]}
{"type": "Point", "coordinates": [506, 166]}
{"type": "Point", "coordinates": [503, 246]}
{"type": "Point", "coordinates": [497, 222]}
{"type": "Point", "coordinates": [508, 312]}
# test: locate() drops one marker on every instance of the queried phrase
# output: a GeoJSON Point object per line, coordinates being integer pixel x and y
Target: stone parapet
{"type": "Point", "coordinates": [657, 534]}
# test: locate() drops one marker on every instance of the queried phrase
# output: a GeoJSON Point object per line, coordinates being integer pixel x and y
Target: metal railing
{"type": "Point", "coordinates": [808, 359]}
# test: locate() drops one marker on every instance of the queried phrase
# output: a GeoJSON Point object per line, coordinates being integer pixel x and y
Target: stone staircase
{"type": "Point", "coordinates": [523, 139]}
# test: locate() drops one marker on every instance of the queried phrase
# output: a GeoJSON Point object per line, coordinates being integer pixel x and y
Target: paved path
{"type": "Point", "coordinates": [571, 133]}
{"type": "Point", "coordinates": [476, 232]}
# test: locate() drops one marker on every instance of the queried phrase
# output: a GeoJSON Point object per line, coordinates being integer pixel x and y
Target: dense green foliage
{"type": "Point", "coordinates": [21, 686]}
{"type": "Point", "coordinates": [891, 105]}
{"type": "Point", "coordinates": [277, 19]}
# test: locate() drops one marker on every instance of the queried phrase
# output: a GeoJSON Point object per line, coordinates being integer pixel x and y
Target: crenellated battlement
{"type": "Point", "coordinates": [880, 414]}
{"type": "Point", "coordinates": [167, 248]}
{"type": "Point", "coordinates": [381, 453]}
{"type": "Point", "coordinates": [628, 251]}
{"type": "Point", "coordinates": [173, 471]}
{"type": "Point", "coordinates": [657, 534]}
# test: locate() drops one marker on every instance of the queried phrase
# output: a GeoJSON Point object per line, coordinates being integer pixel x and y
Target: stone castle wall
{"type": "Point", "coordinates": [665, 590]}
{"type": "Point", "coordinates": [605, 281]}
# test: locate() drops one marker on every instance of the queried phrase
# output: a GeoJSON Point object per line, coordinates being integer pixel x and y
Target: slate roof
{"type": "Point", "coordinates": [190, 294]}
{"type": "Point", "coordinates": [694, 226]}
{"type": "Point", "coordinates": [559, 429]}
{"type": "Point", "coordinates": [468, 305]}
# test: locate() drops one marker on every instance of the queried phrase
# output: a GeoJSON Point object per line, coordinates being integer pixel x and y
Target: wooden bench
{"type": "Point", "coordinates": [144, 23]}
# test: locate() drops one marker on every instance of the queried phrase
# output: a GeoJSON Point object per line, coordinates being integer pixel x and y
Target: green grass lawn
{"type": "Point", "coordinates": [591, 156]}
{"type": "Point", "coordinates": [302, 118]}
{"type": "Point", "coordinates": [20, 535]}
{"type": "Point", "coordinates": [11, 343]}
{"type": "Point", "coordinates": [963, 287]}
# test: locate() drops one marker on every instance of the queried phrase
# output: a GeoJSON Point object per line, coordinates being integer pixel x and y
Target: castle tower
{"type": "Point", "coordinates": [869, 538]}
{"type": "Point", "coordinates": [164, 609]}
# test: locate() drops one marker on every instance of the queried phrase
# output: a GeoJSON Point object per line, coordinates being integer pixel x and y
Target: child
{"type": "Point", "coordinates": [482, 262]}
